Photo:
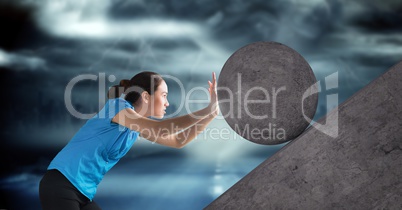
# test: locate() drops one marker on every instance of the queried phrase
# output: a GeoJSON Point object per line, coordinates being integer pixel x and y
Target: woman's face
{"type": "Point", "coordinates": [160, 101]}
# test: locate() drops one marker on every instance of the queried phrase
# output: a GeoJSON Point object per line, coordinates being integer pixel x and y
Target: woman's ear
{"type": "Point", "coordinates": [145, 97]}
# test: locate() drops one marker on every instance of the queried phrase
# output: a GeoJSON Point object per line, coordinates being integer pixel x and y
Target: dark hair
{"type": "Point", "coordinates": [142, 81]}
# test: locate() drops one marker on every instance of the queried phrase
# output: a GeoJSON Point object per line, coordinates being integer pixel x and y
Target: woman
{"type": "Point", "coordinates": [73, 175]}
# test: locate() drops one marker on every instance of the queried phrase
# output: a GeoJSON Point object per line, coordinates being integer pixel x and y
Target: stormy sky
{"type": "Point", "coordinates": [44, 44]}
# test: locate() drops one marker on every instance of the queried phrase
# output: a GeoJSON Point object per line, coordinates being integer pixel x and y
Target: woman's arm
{"type": "Point", "coordinates": [188, 135]}
{"type": "Point", "coordinates": [183, 138]}
{"type": "Point", "coordinates": [162, 131]}
{"type": "Point", "coordinates": [149, 128]}
{"type": "Point", "coordinates": [180, 139]}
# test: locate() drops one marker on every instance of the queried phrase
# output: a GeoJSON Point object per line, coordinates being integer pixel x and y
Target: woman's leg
{"type": "Point", "coordinates": [91, 206]}
{"type": "Point", "coordinates": [56, 192]}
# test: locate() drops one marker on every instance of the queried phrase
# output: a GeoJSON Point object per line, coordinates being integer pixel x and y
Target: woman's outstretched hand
{"type": "Point", "coordinates": [214, 96]}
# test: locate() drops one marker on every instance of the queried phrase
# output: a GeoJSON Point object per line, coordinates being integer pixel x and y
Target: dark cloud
{"type": "Point", "coordinates": [20, 28]}
{"type": "Point", "coordinates": [188, 10]}
{"type": "Point", "coordinates": [15, 20]}
{"type": "Point", "coordinates": [380, 21]}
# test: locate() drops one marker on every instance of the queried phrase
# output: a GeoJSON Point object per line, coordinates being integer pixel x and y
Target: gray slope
{"type": "Point", "coordinates": [359, 169]}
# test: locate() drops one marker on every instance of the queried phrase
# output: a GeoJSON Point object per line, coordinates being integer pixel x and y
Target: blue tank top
{"type": "Point", "coordinates": [95, 148]}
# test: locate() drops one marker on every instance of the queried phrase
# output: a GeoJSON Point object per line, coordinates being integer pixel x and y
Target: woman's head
{"type": "Point", "coordinates": [146, 91]}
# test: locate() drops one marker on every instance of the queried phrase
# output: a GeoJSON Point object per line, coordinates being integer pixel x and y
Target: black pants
{"type": "Point", "coordinates": [57, 193]}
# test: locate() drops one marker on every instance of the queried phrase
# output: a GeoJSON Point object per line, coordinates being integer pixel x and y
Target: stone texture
{"type": "Point", "coordinates": [277, 76]}
{"type": "Point", "coordinates": [359, 169]}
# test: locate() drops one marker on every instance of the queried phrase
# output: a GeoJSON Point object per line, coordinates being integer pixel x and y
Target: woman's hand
{"type": "Point", "coordinates": [214, 96]}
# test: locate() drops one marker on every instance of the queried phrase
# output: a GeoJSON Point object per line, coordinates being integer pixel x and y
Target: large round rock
{"type": "Point", "coordinates": [267, 93]}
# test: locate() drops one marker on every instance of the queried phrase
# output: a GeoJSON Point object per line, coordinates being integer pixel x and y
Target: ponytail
{"type": "Point", "coordinates": [116, 90]}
